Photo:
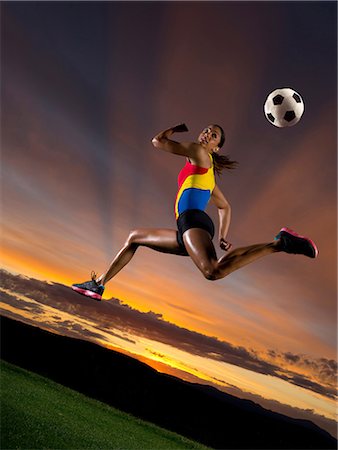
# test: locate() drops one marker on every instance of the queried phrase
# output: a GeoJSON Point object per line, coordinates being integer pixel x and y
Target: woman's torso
{"type": "Point", "coordinates": [195, 186]}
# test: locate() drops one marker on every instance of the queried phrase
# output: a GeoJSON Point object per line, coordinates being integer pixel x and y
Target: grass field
{"type": "Point", "coordinates": [37, 413]}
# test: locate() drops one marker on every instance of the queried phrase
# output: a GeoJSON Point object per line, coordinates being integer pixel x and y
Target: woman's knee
{"type": "Point", "coordinates": [134, 237]}
{"type": "Point", "coordinates": [210, 271]}
{"type": "Point", "coordinates": [215, 273]}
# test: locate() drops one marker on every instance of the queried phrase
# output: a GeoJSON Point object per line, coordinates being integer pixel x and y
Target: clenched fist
{"type": "Point", "coordinates": [225, 245]}
{"type": "Point", "coordinates": [180, 128]}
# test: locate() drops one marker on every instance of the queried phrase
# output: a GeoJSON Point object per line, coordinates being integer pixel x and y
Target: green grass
{"type": "Point", "coordinates": [37, 413]}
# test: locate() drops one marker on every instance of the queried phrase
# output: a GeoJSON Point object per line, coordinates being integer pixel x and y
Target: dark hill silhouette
{"type": "Point", "coordinates": [197, 411]}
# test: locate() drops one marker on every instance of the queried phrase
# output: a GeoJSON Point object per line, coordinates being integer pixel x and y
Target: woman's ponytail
{"type": "Point", "coordinates": [222, 161]}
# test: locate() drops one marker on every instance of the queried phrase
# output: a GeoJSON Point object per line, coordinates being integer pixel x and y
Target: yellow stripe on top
{"type": "Point", "coordinates": [195, 187]}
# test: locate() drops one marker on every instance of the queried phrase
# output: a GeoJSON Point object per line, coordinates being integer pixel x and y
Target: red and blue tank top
{"type": "Point", "coordinates": [195, 186]}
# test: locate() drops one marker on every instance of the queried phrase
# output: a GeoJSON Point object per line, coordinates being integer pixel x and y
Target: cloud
{"type": "Point", "coordinates": [314, 374]}
{"type": "Point", "coordinates": [305, 383]}
{"type": "Point", "coordinates": [321, 373]}
{"type": "Point", "coordinates": [31, 307]}
{"type": "Point", "coordinates": [70, 328]}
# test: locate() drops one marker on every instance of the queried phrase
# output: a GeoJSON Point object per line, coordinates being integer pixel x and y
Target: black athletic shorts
{"type": "Point", "coordinates": [193, 218]}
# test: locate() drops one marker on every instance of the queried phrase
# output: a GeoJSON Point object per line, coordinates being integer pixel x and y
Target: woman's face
{"type": "Point", "coordinates": [210, 137]}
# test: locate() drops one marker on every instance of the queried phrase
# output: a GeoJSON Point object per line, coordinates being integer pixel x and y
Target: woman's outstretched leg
{"type": "Point", "coordinates": [202, 251]}
{"type": "Point", "coordinates": [161, 240]}
{"type": "Point", "coordinates": [243, 256]}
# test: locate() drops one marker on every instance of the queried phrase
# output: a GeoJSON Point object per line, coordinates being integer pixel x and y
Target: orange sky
{"type": "Point", "coordinates": [296, 385]}
{"type": "Point", "coordinates": [79, 109]}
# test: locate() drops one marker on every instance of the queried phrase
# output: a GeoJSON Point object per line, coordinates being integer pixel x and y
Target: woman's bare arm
{"type": "Point", "coordinates": [224, 214]}
{"type": "Point", "coordinates": [190, 149]}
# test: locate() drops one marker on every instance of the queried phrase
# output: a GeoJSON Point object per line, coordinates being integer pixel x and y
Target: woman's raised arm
{"type": "Point", "coordinates": [162, 142]}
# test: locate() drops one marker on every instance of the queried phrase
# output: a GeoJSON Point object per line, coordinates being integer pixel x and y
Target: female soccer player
{"type": "Point", "coordinates": [196, 185]}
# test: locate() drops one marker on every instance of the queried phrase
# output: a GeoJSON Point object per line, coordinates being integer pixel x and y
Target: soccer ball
{"type": "Point", "coordinates": [284, 107]}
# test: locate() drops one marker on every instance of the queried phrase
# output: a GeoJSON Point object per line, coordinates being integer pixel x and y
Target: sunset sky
{"type": "Point", "coordinates": [86, 85]}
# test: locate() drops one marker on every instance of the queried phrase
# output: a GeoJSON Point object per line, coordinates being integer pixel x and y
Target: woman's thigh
{"type": "Point", "coordinates": [159, 239]}
{"type": "Point", "coordinates": [200, 248]}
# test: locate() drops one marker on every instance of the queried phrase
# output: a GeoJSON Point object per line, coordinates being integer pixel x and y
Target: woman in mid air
{"type": "Point", "coordinates": [195, 229]}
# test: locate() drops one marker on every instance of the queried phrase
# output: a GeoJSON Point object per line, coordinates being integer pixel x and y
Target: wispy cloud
{"type": "Point", "coordinates": [176, 350]}
{"type": "Point", "coordinates": [314, 374]}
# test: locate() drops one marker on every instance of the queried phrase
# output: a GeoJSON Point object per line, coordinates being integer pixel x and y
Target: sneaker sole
{"type": "Point", "coordinates": [293, 233]}
{"type": "Point", "coordinates": [87, 293]}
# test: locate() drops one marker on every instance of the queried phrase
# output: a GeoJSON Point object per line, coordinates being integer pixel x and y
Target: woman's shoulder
{"type": "Point", "coordinates": [202, 160]}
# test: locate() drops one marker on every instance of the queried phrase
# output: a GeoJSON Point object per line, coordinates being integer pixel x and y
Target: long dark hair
{"type": "Point", "coordinates": [222, 162]}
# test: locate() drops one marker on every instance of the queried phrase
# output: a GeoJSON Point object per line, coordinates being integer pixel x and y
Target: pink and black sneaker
{"type": "Point", "coordinates": [90, 288]}
{"type": "Point", "coordinates": [293, 242]}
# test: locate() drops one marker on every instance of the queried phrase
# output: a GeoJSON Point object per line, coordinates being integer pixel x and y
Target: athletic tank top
{"type": "Point", "coordinates": [195, 185]}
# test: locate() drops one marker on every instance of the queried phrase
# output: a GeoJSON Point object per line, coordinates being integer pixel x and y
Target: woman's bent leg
{"type": "Point", "coordinates": [161, 240]}
{"type": "Point", "coordinates": [202, 251]}
{"type": "Point", "coordinates": [245, 255]}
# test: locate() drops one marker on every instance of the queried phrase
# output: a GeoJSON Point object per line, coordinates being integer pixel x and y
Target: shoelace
{"type": "Point", "coordinates": [93, 275]}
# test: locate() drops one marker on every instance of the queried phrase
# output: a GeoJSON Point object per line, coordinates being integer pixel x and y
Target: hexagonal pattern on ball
{"type": "Point", "coordinates": [283, 107]}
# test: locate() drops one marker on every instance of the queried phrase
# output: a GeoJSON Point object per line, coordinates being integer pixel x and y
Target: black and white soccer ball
{"type": "Point", "coordinates": [284, 107]}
